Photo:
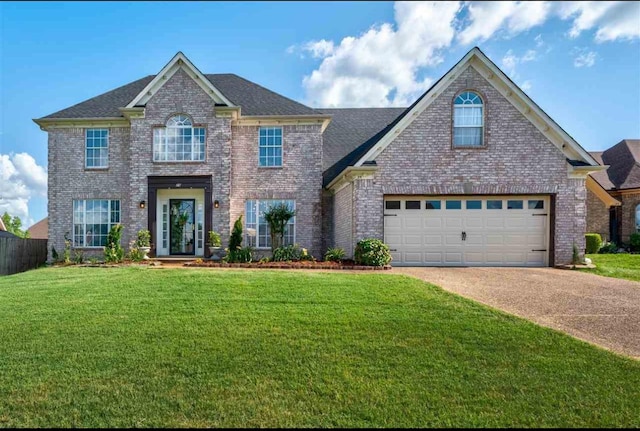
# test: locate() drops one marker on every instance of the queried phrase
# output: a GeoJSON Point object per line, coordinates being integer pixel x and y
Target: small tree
{"type": "Point", "coordinates": [277, 217]}
{"type": "Point", "coordinates": [235, 241]}
{"type": "Point", "coordinates": [14, 225]}
{"type": "Point", "coordinates": [113, 251]}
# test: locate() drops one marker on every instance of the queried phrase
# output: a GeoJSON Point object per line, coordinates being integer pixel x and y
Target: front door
{"type": "Point", "coordinates": [181, 226]}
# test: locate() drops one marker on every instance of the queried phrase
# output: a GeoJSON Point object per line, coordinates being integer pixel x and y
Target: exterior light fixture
{"type": "Point", "coordinates": [143, 204]}
{"type": "Point", "coordinates": [216, 204]}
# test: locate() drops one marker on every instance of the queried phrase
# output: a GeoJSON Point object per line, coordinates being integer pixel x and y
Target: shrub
{"type": "Point", "coordinates": [634, 241]}
{"type": "Point", "coordinates": [594, 242]}
{"type": "Point", "coordinates": [335, 254]}
{"type": "Point", "coordinates": [287, 253]}
{"type": "Point", "coordinates": [372, 252]}
{"type": "Point", "coordinates": [277, 217]}
{"type": "Point", "coordinates": [78, 256]}
{"type": "Point", "coordinates": [609, 248]}
{"type": "Point", "coordinates": [144, 238]}
{"type": "Point", "coordinates": [113, 251]}
{"type": "Point", "coordinates": [135, 254]}
{"type": "Point", "coordinates": [235, 243]}
{"type": "Point", "coordinates": [66, 254]}
{"type": "Point", "coordinates": [214, 239]}
{"type": "Point", "coordinates": [243, 255]}
{"type": "Point", "coordinates": [54, 254]}
{"type": "Point", "coordinates": [306, 256]}
{"type": "Point", "coordinates": [575, 258]}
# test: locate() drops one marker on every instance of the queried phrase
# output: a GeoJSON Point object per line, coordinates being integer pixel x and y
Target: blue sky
{"type": "Point", "coordinates": [579, 61]}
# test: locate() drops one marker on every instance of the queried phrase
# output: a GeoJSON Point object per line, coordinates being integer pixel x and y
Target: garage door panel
{"type": "Point", "coordinates": [430, 240]}
{"type": "Point", "coordinates": [495, 237]}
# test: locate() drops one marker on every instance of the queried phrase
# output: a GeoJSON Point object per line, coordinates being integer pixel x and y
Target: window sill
{"type": "Point", "coordinates": [98, 247]}
{"type": "Point", "coordinates": [469, 147]}
{"type": "Point", "coordinates": [182, 162]}
{"type": "Point", "coordinates": [96, 169]}
{"type": "Point", "coordinates": [270, 167]}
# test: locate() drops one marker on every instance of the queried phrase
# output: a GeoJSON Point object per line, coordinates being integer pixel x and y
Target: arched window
{"type": "Point", "coordinates": [638, 218]}
{"type": "Point", "coordinates": [179, 141]}
{"type": "Point", "coordinates": [468, 120]}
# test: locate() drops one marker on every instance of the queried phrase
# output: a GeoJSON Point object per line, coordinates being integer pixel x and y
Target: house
{"type": "Point", "coordinates": [613, 198]}
{"type": "Point", "coordinates": [39, 230]}
{"type": "Point", "coordinates": [472, 173]}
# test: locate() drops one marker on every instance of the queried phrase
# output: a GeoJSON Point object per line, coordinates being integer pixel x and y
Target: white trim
{"type": "Point", "coordinates": [110, 224]}
{"type": "Point", "coordinates": [179, 61]}
{"type": "Point", "coordinates": [86, 131]}
{"type": "Point", "coordinates": [475, 58]}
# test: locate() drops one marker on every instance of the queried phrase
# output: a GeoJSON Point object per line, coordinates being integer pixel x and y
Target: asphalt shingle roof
{"type": "Point", "coordinates": [350, 127]}
{"type": "Point", "coordinates": [251, 97]}
{"type": "Point", "coordinates": [624, 165]}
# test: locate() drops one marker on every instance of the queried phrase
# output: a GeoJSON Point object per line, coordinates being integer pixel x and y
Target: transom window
{"type": "Point", "coordinates": [179, 141]}
{"type": "Point", "coordinates": [92, 220]}
{"type": "Point", "coordinates": [257, 229]}
{"type": "Point", "coordinates": [468, 120]}
{"type": "Point", "coordinates": [270, 146]}
{"type": "Point", "coordinates": [97, 148]}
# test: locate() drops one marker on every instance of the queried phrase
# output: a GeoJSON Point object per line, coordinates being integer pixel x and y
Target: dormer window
{"type": "Point", "coordinates": [468, 120]}
{"type": "Point", "coordinates": [179, 141]}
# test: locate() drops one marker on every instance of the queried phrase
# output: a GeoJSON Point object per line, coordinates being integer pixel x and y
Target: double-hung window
{"type": "Point", "coordinates": [179, 141]}
{"type": "Point", "coordinates": [257, 229]}
{"type": "Point", "coordinates": [96, 148]}
{"type": "Point", "coordinates": [92, 220]}
{"type": "Point", "coordinates": [270, 144]}
{"type": "Point", "coordinates": [468, 120]}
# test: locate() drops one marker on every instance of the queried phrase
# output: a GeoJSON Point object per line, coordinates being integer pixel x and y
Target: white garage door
{"type": "Point", "coordinates": [467, 231]}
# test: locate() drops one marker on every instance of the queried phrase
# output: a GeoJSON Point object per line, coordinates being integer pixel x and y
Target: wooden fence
{"type": "Point", "coordinates": [17, 254]}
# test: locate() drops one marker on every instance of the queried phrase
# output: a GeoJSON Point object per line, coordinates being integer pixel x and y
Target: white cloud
{"type": "Point", "coordinates": [510, 61]}
{"type": "Point", "coordinates": [21, 178]}
{"type": "Point", "coordinates": [584, 57]}
{"type": "Point", "coordinates": [613, 20]}
{"type": "Point", "coordinates": [512, 17]}
{"type": "Point", "coordinates": [380, 67]}
{"type": "Point", "coordinates": [526, 86]}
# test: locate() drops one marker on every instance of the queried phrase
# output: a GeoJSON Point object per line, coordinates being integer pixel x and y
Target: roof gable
{"type": "Point", "coordinates": [179, 61]}
{"type": "Point", "coordinates": [368, 151]}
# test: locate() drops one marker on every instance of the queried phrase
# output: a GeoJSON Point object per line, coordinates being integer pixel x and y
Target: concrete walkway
{"type": "Point", "coordinates": [600, 310]}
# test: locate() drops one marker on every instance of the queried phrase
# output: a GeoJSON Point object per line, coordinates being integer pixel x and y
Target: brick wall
{"type": "Point", "coordinates": [343, 220]}
{"type": "Point", "coordinates": [69, 180]}
{"type": "Point", "coordinates": [299, 178]}
{"type": "Point", "coordinates": [597, 216]}
{"type": "Point", "coordinates": [629, 205]}
{"type": "Point", "coordinates": [517, 159]}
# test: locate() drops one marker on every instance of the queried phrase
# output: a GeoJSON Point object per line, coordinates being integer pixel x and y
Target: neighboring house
{"type": "Point", "coordinates": [615, 214]}
{"type": "Point", "coordinates": [473, 173]}
{"type": "Point", "coordinates": [39, 230]}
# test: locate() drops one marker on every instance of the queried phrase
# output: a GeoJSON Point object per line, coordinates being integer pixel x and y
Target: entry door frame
{"type": "Point", "coordinates": [172, 182]}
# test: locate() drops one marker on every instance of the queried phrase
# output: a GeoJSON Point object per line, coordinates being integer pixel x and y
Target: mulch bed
{"type": "Point", "coordinates": [348, 265]}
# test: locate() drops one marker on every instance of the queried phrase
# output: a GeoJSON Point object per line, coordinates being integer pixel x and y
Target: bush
{"type": "Point", "coordinates": [241, 255]}
{"type": "Point", "coordinates": [335, 254]}
{"type": "Point", "coordinates": [236, 255]}
{"type": "Point", "coordinates": [135, 254]}
{"type": "Point", "coordinates": [372, 252]}
{"type": "Point", "coordinates": [594, 242]}
{"type": "Point", "coordinates": [113, 251]}
{"type": "Point", "coordinates": [214, 239]}
{"type": "Point", "coordinates": [287, 253]}
{"type": "Point", "coordinates": [634, 241]}
{"type": "Point", "coordinates": [144, 238]}
{"type": "Point", "coordinates": [78, 256]}
{"type": "Point", "coordinates": [609, 248]}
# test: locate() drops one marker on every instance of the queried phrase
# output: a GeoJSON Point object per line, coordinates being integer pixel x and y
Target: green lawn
{"type": "Point", "coordinates": [136, 347]}
{"type": "Point", "coordinates": [616, 265]}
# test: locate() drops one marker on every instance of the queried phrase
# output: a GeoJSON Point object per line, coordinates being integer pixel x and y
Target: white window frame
{"type": "Point", "coordinates": [267, 146]}
{"type": "Point", "coordinates": [83, 223]}
{"type": "Point", "coordinates": [254, 240]}
{"type": "Point", "coordinates": [467, 106]}
{"type": "Point", "coordinates": [176, 129]}
{"type": "Point", "coordinates": [101, 148]}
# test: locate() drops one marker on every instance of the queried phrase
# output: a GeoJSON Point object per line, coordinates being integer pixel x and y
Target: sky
{"type": "Point", "coordinates": [579, 61]}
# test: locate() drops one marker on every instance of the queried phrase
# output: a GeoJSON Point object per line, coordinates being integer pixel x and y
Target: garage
{"type": "Point", "coordinates": [467, 230]}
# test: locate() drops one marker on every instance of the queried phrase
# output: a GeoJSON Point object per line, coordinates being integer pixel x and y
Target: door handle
{"type": "Point", "coordinates": [464, 236]}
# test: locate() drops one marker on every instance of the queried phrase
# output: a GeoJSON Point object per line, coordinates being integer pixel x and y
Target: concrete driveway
{"type": "Point", "coordinates": [600, 310]}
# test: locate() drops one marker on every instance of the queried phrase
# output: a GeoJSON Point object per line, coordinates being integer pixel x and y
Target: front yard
{"type": "Point", "coordinates": [616, 265]}
{"type": "Point", "coordinates": [138, 347]}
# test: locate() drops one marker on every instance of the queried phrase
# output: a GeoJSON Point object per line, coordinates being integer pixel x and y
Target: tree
{"type": "Point", "coordinates": [277, 217]}
{"type": "Point", "coordinates": [13, 225]}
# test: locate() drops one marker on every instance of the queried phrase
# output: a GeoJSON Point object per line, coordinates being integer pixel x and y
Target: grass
{"type": "Point", "coordinates": [625, 266]}
{"type": "Point", "coordinates": [136, 347]}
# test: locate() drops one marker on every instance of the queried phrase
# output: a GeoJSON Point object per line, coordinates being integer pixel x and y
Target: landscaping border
{"type": "Point", "coordinates": [288, 265]}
